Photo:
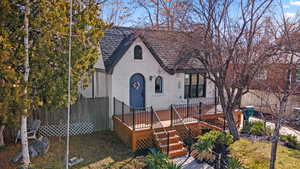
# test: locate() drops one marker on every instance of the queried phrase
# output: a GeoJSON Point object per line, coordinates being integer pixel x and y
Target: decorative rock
{"type": "Point", "coordinates": [36, 148]}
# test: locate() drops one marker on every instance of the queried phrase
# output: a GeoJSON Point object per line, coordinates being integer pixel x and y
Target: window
{"type": "Point", "coordinates": [138, 53]}
{"type": "Point", "coordinates": [194, 86]}
{"type": "Point", "coordinates": [158, 85]}
{"type": "Point", "coordinates": [298, 76]}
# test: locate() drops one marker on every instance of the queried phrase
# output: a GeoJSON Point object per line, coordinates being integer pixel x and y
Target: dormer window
{"type": "Point", "coordinates": [138, 52]}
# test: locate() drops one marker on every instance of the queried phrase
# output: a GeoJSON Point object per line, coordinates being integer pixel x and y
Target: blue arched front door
{"type": "Point", "coordinates": [137, 91]}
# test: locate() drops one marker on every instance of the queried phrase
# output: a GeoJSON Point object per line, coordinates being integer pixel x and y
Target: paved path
{"type": "Point", "coordinates": [191, 163]}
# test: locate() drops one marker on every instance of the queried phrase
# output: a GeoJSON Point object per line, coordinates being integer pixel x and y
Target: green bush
{"type": "Point", "coordinates": [216, 137]}
{"type": "Point", "coordinates": [210, 143]}
{"type": "Point", "coordinates": [256, 128]}
{"type": "Point", "coordinates": [290, 141]}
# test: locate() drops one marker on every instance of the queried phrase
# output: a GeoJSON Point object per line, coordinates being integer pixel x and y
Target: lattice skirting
{"type": "Point", "coordinates": [61, 130]}
{"type": "Point", "coordinates": [145, 142]}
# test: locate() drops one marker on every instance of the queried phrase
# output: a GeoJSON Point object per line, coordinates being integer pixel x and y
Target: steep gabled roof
{"type": "Point", "coordinates": [167, 47]}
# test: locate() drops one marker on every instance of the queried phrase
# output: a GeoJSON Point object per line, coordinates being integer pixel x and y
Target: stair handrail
{"type": "Point", "coordinates": [164, 130]}
{"type": "Point", "coordinates": [180, 118]}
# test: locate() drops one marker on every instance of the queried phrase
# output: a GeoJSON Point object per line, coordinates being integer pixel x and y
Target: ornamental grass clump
{"type": "Point", "coordinates": [212, 143]}
{"type": "Point", "coordinates": [158, 160]}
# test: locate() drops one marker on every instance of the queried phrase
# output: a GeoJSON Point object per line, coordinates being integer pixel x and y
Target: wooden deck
{"type": "Point", "coordinates": [140, 135]}
{"type": "Point", "coordinates": [142, 120]}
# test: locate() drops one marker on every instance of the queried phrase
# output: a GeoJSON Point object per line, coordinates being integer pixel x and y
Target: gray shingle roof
{"type": "Point", "coordinates": [168, 48]}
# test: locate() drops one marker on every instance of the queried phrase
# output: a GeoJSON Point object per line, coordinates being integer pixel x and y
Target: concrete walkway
{"type": "Point", "coordinates": [190, 163]}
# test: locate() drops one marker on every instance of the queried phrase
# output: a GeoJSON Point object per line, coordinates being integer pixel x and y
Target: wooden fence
{"type": "Point", "coordinates": [87, 115]}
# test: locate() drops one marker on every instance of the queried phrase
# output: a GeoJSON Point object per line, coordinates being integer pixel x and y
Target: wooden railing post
{"type": "Point", "coordinates": [171, 115]}
{"type": "Point", "coordinates": [133, 118]}
{"type": "Point", "coordinates": [152, 114]}
{"type": "Point", "coordinates": [122, 111]}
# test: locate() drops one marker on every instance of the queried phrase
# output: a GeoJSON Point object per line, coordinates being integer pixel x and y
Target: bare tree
{"type": "Point", "coordinates": [165, 14]}
{"type": "Point", "coordinates": [117, 12]}
{"type": "Point", "coordinates": [231, 40]}
{"type": "Point", "coordinates": [283, 68]}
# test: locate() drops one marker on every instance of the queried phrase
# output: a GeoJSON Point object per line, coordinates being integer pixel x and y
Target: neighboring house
{"type": "Point", "coordinates": [272, 78]}
{"type": "Point", "coordinates": [146, 67]}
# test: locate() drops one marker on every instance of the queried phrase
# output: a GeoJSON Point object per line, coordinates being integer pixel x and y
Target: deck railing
{"type": "Point", "coordinates": [137, 118]}
{"type": "Point", "coordinates": [188, 112]}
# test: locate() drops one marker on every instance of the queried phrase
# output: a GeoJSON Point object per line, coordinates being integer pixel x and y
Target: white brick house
{"type": "Point", "coordinates": [146, 67]}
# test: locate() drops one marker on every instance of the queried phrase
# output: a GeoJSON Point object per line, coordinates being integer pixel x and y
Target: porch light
{"type": "Point", "coordinates": [150, 78]}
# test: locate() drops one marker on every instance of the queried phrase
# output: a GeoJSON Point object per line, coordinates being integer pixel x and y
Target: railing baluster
{"type": "Point", "coordinates": [122, 111]}
{"type": "Point", "coordinates": [200, 111]}
{"type": "Point", "coordinates": [168, 143]}
{"type": "Point", "coordinates": [133, 119]}
{"type": "Point", "coordinates": [171, 115]}
{"type": "Point", "coordinates": [114, 100]}
{"type": "Point", "coordinates": [152, 113]}
{"type": "Point", "coordinates": [187, 110]}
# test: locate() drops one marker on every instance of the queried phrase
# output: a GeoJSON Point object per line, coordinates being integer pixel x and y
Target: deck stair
{"type": "Point", "coordinates": [170, 143]}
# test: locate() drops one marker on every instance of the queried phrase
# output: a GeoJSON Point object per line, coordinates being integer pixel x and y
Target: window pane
{"type": "Point", "coordinates": [200, 90]}
{"type": "Point", "coordinates": [186, 79]}
{"type": "Point", "coordinates": [186, 91]}
{"type": "Point", "coordinates": [194, 79]}
{"type": "Point", "coordinates": [158, 85]}
{"type": "Point", "coordinates": [298, 76]}
{"type": "Point", "coordinates": [201, 79]}
{"type": "Point", "coordinates": [194, 91]}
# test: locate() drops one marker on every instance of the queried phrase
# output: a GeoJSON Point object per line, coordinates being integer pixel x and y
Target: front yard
{"type": "Point", "coordinates": [256, 155]}
{"type": "Point", "coordinates": [99, 150]}
{"type": "Point", "coordinates": [103, 150]}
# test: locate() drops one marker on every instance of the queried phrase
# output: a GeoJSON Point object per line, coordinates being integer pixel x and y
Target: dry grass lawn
{"type": "Point", "coordinates": [256, 155]}
{"type": "Point", "coordinates": [101, 150]}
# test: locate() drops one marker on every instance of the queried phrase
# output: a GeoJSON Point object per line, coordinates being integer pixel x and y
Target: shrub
{"type": "Point", "coordinates": [290, 141]}
{"type": "Point", "coordinates": [246, 128]}
{"type": "Point", "coordinates": [210, 143]}
{"type": "Point", "coordinates": [256, 128]}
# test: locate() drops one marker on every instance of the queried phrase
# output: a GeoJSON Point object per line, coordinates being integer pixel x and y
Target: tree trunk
{"type": "Point", "coordinates": [24, 139]}
{"type": "Point", "coordinates": [228, 113]}
{"type": "Point", "coordinates": [2, 136]}
{"type": "Point", "coordinates": [231, 124]}
{"type": "Point", "coordinates": [274, 144]}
